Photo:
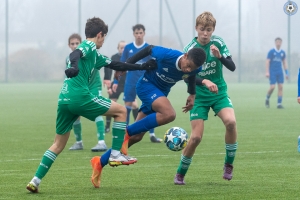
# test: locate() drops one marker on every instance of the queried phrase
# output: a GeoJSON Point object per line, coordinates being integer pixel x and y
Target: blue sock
{"type": "Point", "coordinates": [105, 157]}
{"type": "Point", "coordinates": [128, 108]}
{"type": "Point", "coordinates": [151, 130]}
{"type": "Point", "coordinates": [279, 100]}
{"type": "Point", "coordinates": [268, 96]}
{"type": "Point", "coordinates": [144, 125]}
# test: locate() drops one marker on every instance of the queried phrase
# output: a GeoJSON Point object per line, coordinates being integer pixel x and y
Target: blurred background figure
{"type": "Point", "coordinates": [275, 60]}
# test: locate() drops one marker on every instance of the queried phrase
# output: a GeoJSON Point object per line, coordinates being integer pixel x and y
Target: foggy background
{"type": "Point", "coordinates": [38, 32]}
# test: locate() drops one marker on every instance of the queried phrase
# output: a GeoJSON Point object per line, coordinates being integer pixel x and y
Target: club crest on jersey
{"type": "Point", "coordinates": [185, 76]}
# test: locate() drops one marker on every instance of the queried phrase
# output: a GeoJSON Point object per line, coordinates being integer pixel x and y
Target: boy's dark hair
{"type": "Point", "coordinates": [278, 38]}
{"type": "Point", "coordinates": [138, 27]}
{"type": "Point", "coordinates": [94, 26]}
{"type": "Point", "coordinates": [74, 36]}
{"type": "Point", "coordinates": [197, 55]}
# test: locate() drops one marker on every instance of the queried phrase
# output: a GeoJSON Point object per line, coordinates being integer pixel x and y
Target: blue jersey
{"type": "Point", "coordinates": [168, 71]}
{"type": "Point", "coordinates": [129, 50]}
{"type": "Point", "coordinates": [276, 57]}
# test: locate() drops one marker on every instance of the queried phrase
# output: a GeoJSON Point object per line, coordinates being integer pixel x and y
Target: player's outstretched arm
{"type": "Point", "coordinates": [140, 55]}
{"type": "Point", "coordinates": [120, 66]}
{"type": "Point", "coordinates": [228, 63]}
{"type": "Point", "coordinates": [199, 81]}
{"type": "Point", "coordinates": [74, 58]}
{"type": "Point", "coordinates": [210, 85]}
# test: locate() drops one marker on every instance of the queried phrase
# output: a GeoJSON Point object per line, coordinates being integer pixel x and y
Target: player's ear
{"type": "Point", "coordinates": [185, 55]}
{"type": "Point", "coordinates": [100, 35]}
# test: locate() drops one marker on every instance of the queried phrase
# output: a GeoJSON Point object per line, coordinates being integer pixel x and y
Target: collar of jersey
{"type": "Point", "coordinates": [277, 50]}
{"type": "Point", "coordinates": [136, 46]}
{"type": "Point", "coordinates": [177, 61]}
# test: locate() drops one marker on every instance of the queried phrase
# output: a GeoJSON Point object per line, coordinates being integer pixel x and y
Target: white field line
{"type": "Point", "coordinates": [144, 156]}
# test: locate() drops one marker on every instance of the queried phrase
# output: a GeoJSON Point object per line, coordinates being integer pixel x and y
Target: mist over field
{"type": "Point", "coordinates": [38, 32]}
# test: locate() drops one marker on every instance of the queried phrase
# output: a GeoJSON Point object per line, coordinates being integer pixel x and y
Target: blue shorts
{"type": "Point", "coordinates": [129, 93]}
{"type": "Point", "coordinates": [276, 77]}
{"type": "Point", "coordinates": [132, 78]}
{"type": "Point", "coordinates": [148, 93]}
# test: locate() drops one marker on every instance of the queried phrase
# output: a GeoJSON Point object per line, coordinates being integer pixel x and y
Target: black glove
{"type": "Point", "coordinates": [71, 72]}
{"type": "Point", "coordinates": [150, 64]}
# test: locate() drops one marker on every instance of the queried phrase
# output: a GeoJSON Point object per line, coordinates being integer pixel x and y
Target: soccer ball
{"type": "Point", "coordinates": [290, 8]}
{"type": "Point", "coordinates": [176, 138]}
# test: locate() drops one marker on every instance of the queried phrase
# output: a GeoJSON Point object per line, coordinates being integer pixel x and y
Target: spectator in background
{"type": "Point", "coordinates": [114, 94]}
{"type": "Point", "coordinates": [275, 60]}
{"type": "Point", "coordinates": [133, 77]}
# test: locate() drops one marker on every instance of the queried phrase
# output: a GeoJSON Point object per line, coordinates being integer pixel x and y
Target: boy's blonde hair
{"type": "Point", "coordinates": [206, 19]}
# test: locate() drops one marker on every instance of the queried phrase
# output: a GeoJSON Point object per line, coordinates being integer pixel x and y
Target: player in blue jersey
{"type": "Point", "coordinates": [275, 60]}
{"type": "Point", "coordinates": [133, 76]}
{"type": "Point", "coordinates": [154, 86]}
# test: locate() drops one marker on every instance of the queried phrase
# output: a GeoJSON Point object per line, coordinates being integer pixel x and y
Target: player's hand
{"type": "Point", "coordinates": [189, 103]}
{"type": "Point", "coordinates": [71, 72]}
{"type": "Point", "coordinates": [267, 74]}
{"type": "Point", "coordinates": [114, 87]}
{"type": "Point", "coordinates": [118, 74]}
{"type": "Point", "coordinates": [215, 51]}
{"type": "Point", "coordinates": [107, 83]}
{"type": "Point", "coordinates": [298, 100]}
{"type": "Point", "coordinates": [109, 91]}
{"type": "Point", "coordinates": [286, 77]}
{"type": "Point", "coordinates": [150, 64]}
{"type": "Point", "coordinates": [211, 86]}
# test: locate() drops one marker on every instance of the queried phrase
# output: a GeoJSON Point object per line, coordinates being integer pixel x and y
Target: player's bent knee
{"type": "Point", "coordinates": [195, 140]}
{"type": "Point", "coordinates": [170, 116]}
{"type": "Point", "coordinates": [230, 125]}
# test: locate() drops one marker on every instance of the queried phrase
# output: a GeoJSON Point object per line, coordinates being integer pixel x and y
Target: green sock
{"type": "Point", "coordinates": [230, 152]}
{"type": "Point", "coordinates": [100, 128]}
{"type": "Point", "coordinates": [118, 132]}
{"type": "Point", "coordinates": [47, 160]}
{"type": "Point", "coordinates": [77, 130]}
{"type": "Point", "coordinates": [184, 165]}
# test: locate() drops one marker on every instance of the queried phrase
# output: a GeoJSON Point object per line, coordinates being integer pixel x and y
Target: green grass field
{"type": "Point", "coordinates": [266, 165]}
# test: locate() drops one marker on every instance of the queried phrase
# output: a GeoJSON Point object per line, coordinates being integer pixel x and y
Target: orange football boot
{"type": "Point", "coordinates": [97, 170]}
{"type": "Point", "coordinates": [124, 148]}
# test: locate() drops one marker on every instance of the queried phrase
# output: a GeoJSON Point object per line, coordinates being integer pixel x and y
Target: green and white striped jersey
{"type": "Point", "coordinates": [212, 67]}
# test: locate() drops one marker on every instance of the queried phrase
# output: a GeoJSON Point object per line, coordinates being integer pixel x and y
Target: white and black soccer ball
{"type": "Point", "coordinates": [290, 8]}
{"type": "Point", "coordinates": [176, 138]}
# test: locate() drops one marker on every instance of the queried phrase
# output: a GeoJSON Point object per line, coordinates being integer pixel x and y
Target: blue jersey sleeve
{"type": "Point", "coordinates": [269, 56]}
{"type": "Point", "coordinates": [124, 54]}
{"type": "Point", "coordinates": [299, 83]}
{"type": "Point", "coordinates": [159, 52]}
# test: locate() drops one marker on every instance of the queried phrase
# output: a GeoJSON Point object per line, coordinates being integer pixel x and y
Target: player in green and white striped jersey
{"type": "Point", "coordinates": [211, 92]}
{"type": "Point", "coordinates": [75, 99]}
{"type": "Point", "coordinates": [95, 87]}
